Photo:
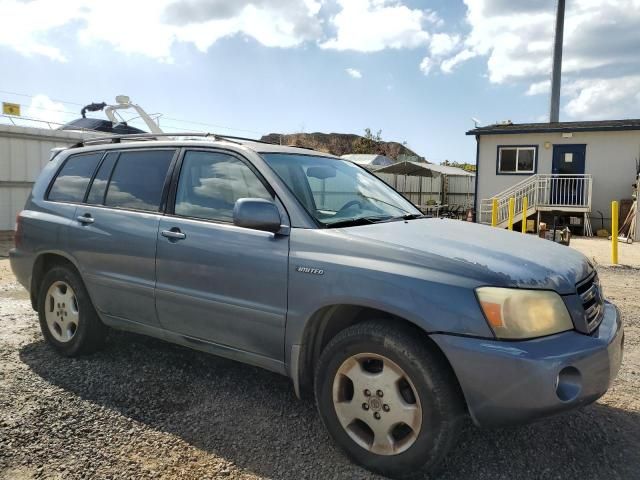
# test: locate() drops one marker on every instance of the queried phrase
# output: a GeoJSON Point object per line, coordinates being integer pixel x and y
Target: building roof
{"type": "Point", "coordinates": [366, 159]}
{"type": "Point", "coordinates": [590, 126]}
{"type": "Point", "coordinates": [423, 169]}
{"type": "Point", "coordinates": [448, 170]}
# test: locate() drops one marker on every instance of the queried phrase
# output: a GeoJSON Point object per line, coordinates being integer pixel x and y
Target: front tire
{"type": "Point", "coordinates": [67, 318]}
{"type": "Point", "coordinates": [389, 401]}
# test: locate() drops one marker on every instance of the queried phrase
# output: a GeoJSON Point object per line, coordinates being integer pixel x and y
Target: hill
{"type": "Point", "coordinates": [338, 143]}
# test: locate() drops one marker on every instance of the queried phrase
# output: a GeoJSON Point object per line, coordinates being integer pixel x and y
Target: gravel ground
{"type": "Point", "coordinates": [146, 409]}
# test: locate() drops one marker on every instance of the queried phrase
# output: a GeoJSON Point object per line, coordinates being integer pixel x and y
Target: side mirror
{"type": "Point", "coordinates": [256, 213]}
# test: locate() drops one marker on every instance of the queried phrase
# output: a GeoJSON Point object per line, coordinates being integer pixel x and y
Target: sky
{"type": "Point", "coordinates": [419, 70]}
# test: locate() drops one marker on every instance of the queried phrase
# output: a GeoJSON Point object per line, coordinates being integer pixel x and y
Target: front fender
{"type": "Point", "coordinates": [324, 273]}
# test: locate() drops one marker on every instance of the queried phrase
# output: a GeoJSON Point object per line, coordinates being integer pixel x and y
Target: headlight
{"type": "Point", "coordinates": [516, 314]}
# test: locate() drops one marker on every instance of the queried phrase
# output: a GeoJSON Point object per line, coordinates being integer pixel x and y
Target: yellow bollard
{"type": "Point", "coordinates": [494, 212]}
{"type": "Point", "coordinates": [525, 206]}
{"type": "Point", "coordinates": [512, 207]}
{"type": "Point", "coordinates": [614, 232]}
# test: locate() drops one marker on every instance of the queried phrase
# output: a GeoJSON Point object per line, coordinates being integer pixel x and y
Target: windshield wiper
{"type": "Point", "coordinates": [353, 222]}
{"type": "Point", "coordinates": [409, 216]}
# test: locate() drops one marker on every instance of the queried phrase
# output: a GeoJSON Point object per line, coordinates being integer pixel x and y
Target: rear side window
{"type": "Point", "coordinates": [138, 180]}
{"type": "Point", "coordinates": [71, 183]}
{"type": "Point", "coordinates": [99, 185]}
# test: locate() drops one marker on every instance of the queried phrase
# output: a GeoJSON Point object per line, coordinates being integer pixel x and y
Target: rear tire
{"type": "Point", "coordinates": [389, 401]}
{"type": "Point", "coordinates": [67, 318]}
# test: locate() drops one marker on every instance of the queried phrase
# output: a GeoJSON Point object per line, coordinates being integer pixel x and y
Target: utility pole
{"type": "Point", "coordinates": [556, 75]}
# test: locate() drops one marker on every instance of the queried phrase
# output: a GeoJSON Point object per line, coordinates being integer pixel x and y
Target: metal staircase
{"type": "Point", "coordinates": [544, 192]}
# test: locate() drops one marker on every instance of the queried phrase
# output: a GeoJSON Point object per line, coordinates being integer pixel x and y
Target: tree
{"type": "Point", "coordinates": [370, 143]}
{"type": "Point", "coordinates": [469, 167]}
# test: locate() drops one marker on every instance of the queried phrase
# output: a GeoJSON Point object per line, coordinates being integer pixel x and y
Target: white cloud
{"type": "Point", "coordinates": [600, 59]}
{"type": "Point", "coordinates": [25, 26]}
{"type": "Point", "coordinates": [375, 25]}
{"type": "Point", "coordinates": [448, 65]}
{"type": "Point", "coordinates": [152, 27]}
{"type": "Point", "coordinates": [443, 44]}
{"type": "Point", "coordinates": [539, 88]}
{"type": "Point", "coordinates": [517, 37]}
{"type": "Point", "coordinates": [426, 65]}
{"type": "Point", "coordinates": [605, 98]}
{"type": "Point", "coordinates": [43, 108]}
{"type": "Point", "coordinates": [353, 73]}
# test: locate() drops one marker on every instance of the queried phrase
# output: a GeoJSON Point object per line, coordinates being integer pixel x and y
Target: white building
{"type": "Point", "coordinates": [575, 168]}
{"type": "Point", "coordinates": [23, 153]}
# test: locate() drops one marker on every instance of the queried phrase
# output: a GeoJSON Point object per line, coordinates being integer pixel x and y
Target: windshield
{"type": "Point", "coordinates": [337, 192]}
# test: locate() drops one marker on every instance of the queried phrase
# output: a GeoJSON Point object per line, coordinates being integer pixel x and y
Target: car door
{"type": "Point", "coordinates": [114, 234]}
{"type": "Point", "coordinates": [64, 194]}
{"type": "Point", "coordinates": [217, 282]}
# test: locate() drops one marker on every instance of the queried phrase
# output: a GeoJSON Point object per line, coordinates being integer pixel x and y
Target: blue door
{"type": "Point", "coordinates": [216, 282]}
{"type": "Point", "coordinates": [114, 233]}
{"type": "Point", "coordinates": [567, 166]}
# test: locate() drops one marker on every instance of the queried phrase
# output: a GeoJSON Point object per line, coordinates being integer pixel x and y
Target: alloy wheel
{"type": "Point", "coordinates": [61, 311]}
{"type": "Point", "coordinates": [377, 404]}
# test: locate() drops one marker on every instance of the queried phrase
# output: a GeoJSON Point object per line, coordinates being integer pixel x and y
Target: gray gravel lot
{"type": "Point", "coordinates": [146, 409]}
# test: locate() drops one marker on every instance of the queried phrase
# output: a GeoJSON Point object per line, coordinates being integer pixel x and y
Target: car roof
{"type": "Point", "coordinates": [121, 142]}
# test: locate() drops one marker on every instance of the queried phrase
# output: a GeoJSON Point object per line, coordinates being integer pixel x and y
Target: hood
{"type": "Point", "coordinates": [492, 256]}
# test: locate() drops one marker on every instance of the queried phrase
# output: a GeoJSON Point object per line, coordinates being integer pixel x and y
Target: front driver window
{"type": "Point", "coordinates": [210, 184]}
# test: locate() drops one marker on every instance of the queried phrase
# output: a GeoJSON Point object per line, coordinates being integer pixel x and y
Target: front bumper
{"type": "Point", "coordinates": [514, 382]}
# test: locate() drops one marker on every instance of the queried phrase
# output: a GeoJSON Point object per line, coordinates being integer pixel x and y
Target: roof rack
{"type": "Point", "coordinates": [246, 139]}
{"type": "Point", "coordinates": [265, 142]}
{"type": "Point", "coordinates": [155, 136]}
{"type": "Point", "coordinates": [137, 136]}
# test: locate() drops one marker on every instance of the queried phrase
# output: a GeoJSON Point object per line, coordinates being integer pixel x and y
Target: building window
{"type": "Point", "coordinates": [517, 160]}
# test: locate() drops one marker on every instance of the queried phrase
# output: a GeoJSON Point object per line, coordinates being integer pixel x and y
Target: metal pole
{"type": "Point", "coordinates": [525, 206]}
{"type": "Point", "coordinates": [494, 212]}
{"type": "Point", "coordinates": [636, 235]}
{"type": "Point", "coordinates": [614, 232]}
{"type": "Point", "coordinates": [512, 207]}
{"type": "Point", "coordinates": [556, 75]}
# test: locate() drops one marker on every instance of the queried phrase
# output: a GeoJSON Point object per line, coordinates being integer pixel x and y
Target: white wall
{"type": "Point", "coordinates": [610, 159]}
{"type": "Point", "coordinates": [23, 153]}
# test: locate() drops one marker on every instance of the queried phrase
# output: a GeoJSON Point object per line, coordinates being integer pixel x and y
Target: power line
{"type": "Point", "coordinates": [33, 96]}
{"type": "Point", "coordinates": [182, 121]}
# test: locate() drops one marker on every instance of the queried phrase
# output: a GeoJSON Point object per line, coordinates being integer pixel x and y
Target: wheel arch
{"type": "Point", "coordinates": [44, 262]}
{"type": "Point", "coordinates": [330, 320]}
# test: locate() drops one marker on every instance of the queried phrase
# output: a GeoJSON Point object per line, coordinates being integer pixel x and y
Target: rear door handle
{"type": "Point", "coordinates": [85, 219]}
{"type": "Point", "coordinates": [173, 234]}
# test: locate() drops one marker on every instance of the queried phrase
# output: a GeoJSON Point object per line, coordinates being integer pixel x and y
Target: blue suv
{"type": "Point", "coordinates": [401, 326]}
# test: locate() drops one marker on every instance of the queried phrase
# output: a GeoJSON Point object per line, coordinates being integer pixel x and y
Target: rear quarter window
{"type": "Point", "coordinates": [71, 182]}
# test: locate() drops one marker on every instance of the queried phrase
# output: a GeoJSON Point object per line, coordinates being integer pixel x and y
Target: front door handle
{"type": "Point", "coordinates": [173, 234]}
{"type": "Point", "coordinates": [85, 219]}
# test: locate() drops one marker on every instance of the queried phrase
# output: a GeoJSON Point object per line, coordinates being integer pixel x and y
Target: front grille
{"type": "Point", "coordinates": [592, 301]}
